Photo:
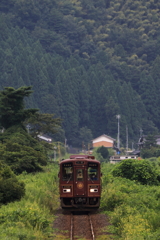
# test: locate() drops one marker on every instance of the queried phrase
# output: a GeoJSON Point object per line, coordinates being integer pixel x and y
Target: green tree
{"type": "Point", "coordinates": [43, 123]}
{"type": "Point", "coordinates": [68, 86]}
{"type": "Point", "coordinates": [21, 157]}
{"type": "Point", "coordinates": [150, 141]}
{"type": "Point", "coordinates": [103, 151]}
{"type": "Point", "coordinates": [12, 110]}
{"type": "Point", "coordinates": [21, 151]}
{"type": "Point", "coordinates": [147, 90]}
{"type": "Point", "coordinates": [142, 171]}
{"type": "Point", "coordinates": [94, 101]}
{"type": "Point", "coordinates": [85, 136]}
{"type": "Point", "coordinates": [149, 152]}
{"type": "Point", "coordinates": [111, 109]}
{"type": "Point", "coordinates": [84, 104]}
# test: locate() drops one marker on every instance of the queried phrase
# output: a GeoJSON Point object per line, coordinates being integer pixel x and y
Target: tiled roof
{"type": "Point", "coordinates": [104, 135]}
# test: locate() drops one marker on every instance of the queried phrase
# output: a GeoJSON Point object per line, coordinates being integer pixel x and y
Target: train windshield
{"type": "Point", "coordinates": [67, 172]}
{"type": "Point", "coordinates": [93, 171]}
{"type": "Point", "coordinates": [80, 175]}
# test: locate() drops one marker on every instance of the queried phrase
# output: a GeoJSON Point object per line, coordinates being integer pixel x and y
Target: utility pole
{"type": "Point", "coordinates": [127, 140]}
{"type": "Point", "coordinates": [132, 145]}
{"type": "Point", "coordinates": [82, 146]}
{"type": "Point", "coordinates": [59, 151]}
{"type": "Point", "coordinates": [118, 140]}
{"type": "Point", "coordinates": [65, 144]}
{"type": "Point", "coordinates": [141, 131]}
{"type": "Point", "coordinates": [55, 153]}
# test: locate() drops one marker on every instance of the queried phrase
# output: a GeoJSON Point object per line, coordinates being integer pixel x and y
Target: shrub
{"type": "Point", "coordinates": [130, 224]}
{"type": "Point", "coordinates": [101, 154]}
{"type": "Point", "coordinates": [23, 158]}
{"type": "Point", "coordinates": [22, 152]}
{"type": "Point", "coordinates": [112, 199]}
{"type": "Point", "coordinates": [103, 151]}
{"type": "Point", "coordinates": [32, 217]}
{"type": "Point", "coordinates": [133, 208]}
{"type": "Point", "coordinates": [150, 152]}
{"type": "Point", "coordinates": [10, 188]}
{"type": "Point", "coordinates": [142, 171]}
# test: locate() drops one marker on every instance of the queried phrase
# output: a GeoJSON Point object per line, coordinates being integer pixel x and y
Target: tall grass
{"type": "Point", "coordinates": [32, 217]}
{"type": "Point", "coordinates": [134, 209]}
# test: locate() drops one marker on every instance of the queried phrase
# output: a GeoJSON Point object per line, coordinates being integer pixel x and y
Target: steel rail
{"type": "Point", "coordinates": [71, 233]}
{"type": "Point", "coordinates": [72, 227]}
{"type": "Point", "coordinates": [91, 225]}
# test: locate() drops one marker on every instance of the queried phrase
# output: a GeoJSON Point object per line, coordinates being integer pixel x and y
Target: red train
{"type": "Point", "coordinates": [80, 183]}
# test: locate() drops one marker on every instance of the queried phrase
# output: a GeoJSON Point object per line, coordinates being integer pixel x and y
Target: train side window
{"type": "Point", "coordinates": [79, 174]}
{"type": "Point", "coordinates": [67, 173]}
{"type": "Point", "coordinates": [92, 173]}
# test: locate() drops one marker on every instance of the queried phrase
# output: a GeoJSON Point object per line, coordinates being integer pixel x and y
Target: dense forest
{"type": "Point", "coordinates": [87, 61]}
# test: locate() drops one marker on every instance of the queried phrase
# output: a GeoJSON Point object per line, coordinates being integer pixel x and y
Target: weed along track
{"type": "Point", "coordinates": [81, 226]}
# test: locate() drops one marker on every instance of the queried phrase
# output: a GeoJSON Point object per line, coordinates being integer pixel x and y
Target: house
{"type": "Point", "coordinates": [103, 140]}
{"type": "Point", "coordinates": [158, 139]}
{"type": "Point", "coordinates": [155, 139]}
{"type": "Point", "coordinates": [44, 138]}
{"type": "Point", "coordinates": [117, 159]}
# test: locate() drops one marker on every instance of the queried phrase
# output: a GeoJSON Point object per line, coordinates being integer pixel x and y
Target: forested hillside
{"type": "Point", "coordinates": [87, 62]}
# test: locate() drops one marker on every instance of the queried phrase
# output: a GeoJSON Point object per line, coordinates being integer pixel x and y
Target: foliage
{"type": "Point", "coordinates": [10, 188]}
{"type": "Point", "coordinates": [86, 62]}
{"type": "Point", "coordinates": [85, 137]}
{"type": "Point", "coordinates": [150, 142]}
{"type": "Point", "coordinates": [22, 152]}
{"type": "Point", "coordinates": [43, 123]}
{"type": "Point", "coordinates": [103, 151]}
{"type": "Point", "coordinates": [12, 110]}
{"type": "Point", "coordinates": [142, 171]}
{"type": "Point", "coordinates": [150, 152]}
{"type": "Point", "coordinates": [133, 208]}
{"type": "Point", "coordinates": [102, 154]}
{"type": "Point", "coordinates": [98, 156]}
{"type": "Point", "coordinates": [32, 217]}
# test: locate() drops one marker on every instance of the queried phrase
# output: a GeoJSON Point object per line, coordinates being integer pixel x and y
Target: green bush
{"type": "Point", "coordinates": [23, 158]}
{"type": "Point", "coordinates": [133, 208]}
{"type": "Point", "coordinates": [150, 152]}
{"type": "Point", "coordinates": [142, 171]}
{"type": "Point", "coordinates": [10, 188]}
{"type": "Point", "coordinates": [103, 151]}
{"type": "Point", "coordinates": [21, 151]}
{"type": "Point", "coordinates": [32, 217]}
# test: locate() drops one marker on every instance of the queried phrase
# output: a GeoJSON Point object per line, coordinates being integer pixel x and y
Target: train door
{"type": "Point", "coordinates": [79, 184]}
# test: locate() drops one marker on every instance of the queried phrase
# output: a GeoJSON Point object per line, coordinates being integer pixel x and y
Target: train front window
{"type": "Point", "coordinates": [79, 175]}
{"type": "Point", "coordinates": [93, 172]}
{"type": "Point", "coordinates": [67, 172]}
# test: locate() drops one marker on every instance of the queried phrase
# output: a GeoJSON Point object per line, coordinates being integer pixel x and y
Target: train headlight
{"type": "Point", "coordinates": [93, 190]}
{"type": "Point", "coordinates": [67, 190]}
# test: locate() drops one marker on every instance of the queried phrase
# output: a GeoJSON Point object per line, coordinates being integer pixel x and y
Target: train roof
{"type": "Point", "coordinates": [80, 157]}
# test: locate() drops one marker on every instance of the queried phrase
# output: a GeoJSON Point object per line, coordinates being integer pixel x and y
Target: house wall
{"type": "Point", "coordinates": [103, 143]}
{"type": "Point", "coordinates": [158, 141]}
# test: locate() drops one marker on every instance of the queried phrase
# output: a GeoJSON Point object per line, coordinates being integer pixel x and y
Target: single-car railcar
{"type": "Point", "coordinates": [80, 183]}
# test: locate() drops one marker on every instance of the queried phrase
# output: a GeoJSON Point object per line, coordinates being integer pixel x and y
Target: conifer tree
{"type": "Point", "coordinates": [70, 112]}
{"type": "Point", "coordinates": [12, 110]}
{"type": "Point", "coordinates": [147, 90]}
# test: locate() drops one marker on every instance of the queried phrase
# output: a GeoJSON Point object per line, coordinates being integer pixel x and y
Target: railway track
{"type": "Point", "coordinates": [81, 226]}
